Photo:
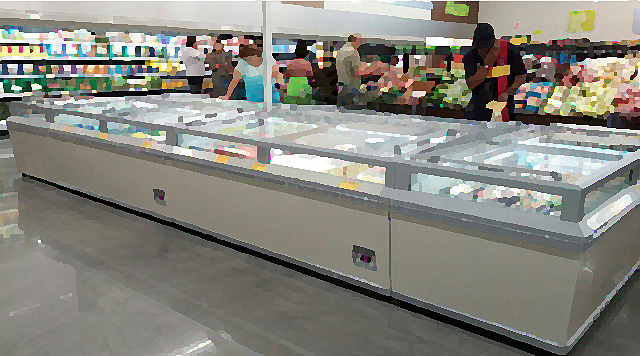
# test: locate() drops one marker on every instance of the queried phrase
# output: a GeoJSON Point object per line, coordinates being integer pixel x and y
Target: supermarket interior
{"type": "Point", "coordinates": [162, 192]}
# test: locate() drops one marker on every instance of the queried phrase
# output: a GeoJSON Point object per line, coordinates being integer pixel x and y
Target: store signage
{"type": "Point", "coordinates": [451, 8]}
{"type": "Point", "coordinates": [260, 167]}
{"type": "Point", "coordinates": [222, 159]}
{"type": "Point", "coordinates": [582, 21]}
{"type": "Point", "coordinates": [455, 11]}
{"type": "Point", "coordinates": [349, 185]}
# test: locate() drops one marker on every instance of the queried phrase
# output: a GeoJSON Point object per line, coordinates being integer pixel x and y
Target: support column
{"type": "Point", "coordinates": [172, 137]}
{"type": "Point", "coordinates": [103, 126]}
{"type": "Point", "coordinates": [267, 53]}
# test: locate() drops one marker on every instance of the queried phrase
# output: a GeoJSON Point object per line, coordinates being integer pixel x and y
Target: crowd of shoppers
{"type": "Point", "coordinates": [350, 79]}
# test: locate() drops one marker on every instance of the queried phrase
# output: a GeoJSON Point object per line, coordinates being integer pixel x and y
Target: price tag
{"type": "Point", "coordinates": [102, 136]}
{"type": "Point", "coordinates": [147, 144]}
{"type": "Point", "coordinates": [67, 129]}
{"type": "Point", "coordinates": [260, 167]}
{"type": "Point", "coordinates": [349, 185]}
{"type": "Point", "coordinates": [222, 159]}
{"type": "Point", "coordinates": [500, 71]}
{"type": "Point", "coordinates": [496, 105]}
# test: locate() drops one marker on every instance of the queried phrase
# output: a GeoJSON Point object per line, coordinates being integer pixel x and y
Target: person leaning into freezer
{"type": "Point", "coordinates": [193, 61]}
{"type": "Point", "coordinates": [250, 70]}
{"type": "Point", "coordinates": [494, 71]}
{"type": "Point", "coordinates": [350, 71]}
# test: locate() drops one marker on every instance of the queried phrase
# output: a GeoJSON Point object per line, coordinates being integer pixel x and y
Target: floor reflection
{"type": "Point", "coordinates": [87, 279]}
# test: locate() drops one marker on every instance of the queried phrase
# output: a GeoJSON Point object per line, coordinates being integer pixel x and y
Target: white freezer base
{"type": "Point", "coordinates": [302, 227]}
{"type": "Point", "coordinates": [543, 296]}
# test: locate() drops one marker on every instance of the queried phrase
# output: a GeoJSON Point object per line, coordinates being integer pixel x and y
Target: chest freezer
{"type": "Point", "coordinates": [563, 168]}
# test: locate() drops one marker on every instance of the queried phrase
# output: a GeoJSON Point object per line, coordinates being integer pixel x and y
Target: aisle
{"type": "Point", "coordinates": [86, 279]}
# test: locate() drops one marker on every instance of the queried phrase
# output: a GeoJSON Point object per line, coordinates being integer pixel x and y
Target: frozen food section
{"type": "Point", "coordinates": [525, 230]}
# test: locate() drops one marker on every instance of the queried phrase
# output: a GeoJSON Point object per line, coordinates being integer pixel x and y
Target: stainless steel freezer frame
{"type": "Point", "coordinates": [519, 264]}
{"type": "Point", "coordinates": [522, 229]}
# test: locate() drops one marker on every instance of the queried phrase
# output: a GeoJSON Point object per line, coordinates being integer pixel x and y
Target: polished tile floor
{"type": "Point", "coordinates": [79, 278]}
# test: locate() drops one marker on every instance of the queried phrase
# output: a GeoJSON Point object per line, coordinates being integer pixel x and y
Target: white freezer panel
{"type": "Point", "coordinates": [312, 230]}
{"type": "Point", "coordinates": [520, 288]}
{"type": "Point", "coordinates": [605, 265]}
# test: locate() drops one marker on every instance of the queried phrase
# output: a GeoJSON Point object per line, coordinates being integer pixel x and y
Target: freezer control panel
{"type": "Point", "coordinates": [364, 258]}
{"type": "Point", "coordinates": [158, 196]}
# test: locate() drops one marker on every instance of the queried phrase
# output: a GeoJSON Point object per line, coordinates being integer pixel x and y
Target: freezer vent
{"type": "Point", "coordinates": [364, 258]}
{"type": "Point", "coordinates": [159, 196]}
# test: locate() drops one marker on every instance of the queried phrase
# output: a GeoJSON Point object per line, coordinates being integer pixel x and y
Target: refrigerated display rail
{"type": "Point", "coordinates": [525, 230]}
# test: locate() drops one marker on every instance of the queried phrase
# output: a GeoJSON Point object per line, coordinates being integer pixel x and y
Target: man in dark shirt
{"type": "Point", "coordinates": [221, 64]}
{"type": "Point", "coordinates": [484, 81]}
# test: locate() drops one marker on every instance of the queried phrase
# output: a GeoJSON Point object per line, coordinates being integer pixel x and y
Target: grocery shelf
{"type": "Point", "coordinates": [12, 60]}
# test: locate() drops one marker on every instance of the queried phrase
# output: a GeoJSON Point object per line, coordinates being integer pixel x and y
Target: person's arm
{"type": "Point", "coordinates": [234, 82]}
{"type": "Point", "coordinates": [275, 72]}
{"type": "Point", "coordinates": [517, 83]}
{"type": "Point", "coordinates": [209, 60]}
{"type": "Point", "coordinates": [474, 77]}
{"type": "Point", "coordinates": [228, 64]}
{"type": "Point", "coordinates": [308, 69]}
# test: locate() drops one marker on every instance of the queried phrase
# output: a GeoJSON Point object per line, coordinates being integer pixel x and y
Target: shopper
{"type": "Point", "coordinates": [298, 74]}
{"type": "Point", "coordinates": [487, 76]}
{"type": "Point", "coordinates": [250, 70]}
{"type": "Point", "coordinates": [349, 65]}
{"type": "Point", "coordinates": [193, 60]}
{"type": "Point", "coordinates": [392, 83]}
{"type": "Point", "coordinates": [220, 62]}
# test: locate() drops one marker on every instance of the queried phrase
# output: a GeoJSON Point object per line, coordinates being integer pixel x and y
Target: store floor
{"type": "Point", "coordinates": [79, 278]}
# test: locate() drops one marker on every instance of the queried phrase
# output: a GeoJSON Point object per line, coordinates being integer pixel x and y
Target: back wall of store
{"type": "Point", "coordinates": [613, 19]}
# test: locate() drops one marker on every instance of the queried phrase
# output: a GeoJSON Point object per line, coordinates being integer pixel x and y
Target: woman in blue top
{"type": "Point", "coordinates": [250, 70]}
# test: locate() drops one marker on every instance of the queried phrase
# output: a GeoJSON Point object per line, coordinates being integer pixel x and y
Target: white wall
{"type": "Point", "coordinates": [302, 20]}
{"type": "Point", "coordinates": [379, 8]}
{"type": "Point", "coordinates": [243, 16]}
{"type": "Point", "coordinates": [613, 19]}
{"type": "Point", "coordinates": [211, 15]}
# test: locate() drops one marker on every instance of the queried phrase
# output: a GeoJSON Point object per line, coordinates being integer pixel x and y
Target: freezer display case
{"type": "Point", "coordinates": [538, 225]}
{"type": "Point", "coordinates": [542, 156]}
{"type": "Point", "coordinates": [365, 135]}
{"type": "Point", "coordinates": [525, 230]}
{"type": "Point", "coordinates": [245, 127]}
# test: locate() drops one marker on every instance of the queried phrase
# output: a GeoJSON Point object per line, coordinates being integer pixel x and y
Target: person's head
{"type": "Point", "coordinates": [394, 60]}
{"type": "Point", "coordinates": [191, 41]}
{"type": "Point", "coordinates": [301, 50]}
{"type": "Point", "coordinates": [355, 40]}
{"type": "Point", "coordinates": [219, 44]}
{"type": "Point", "coordinates": [251, 54]}
{"type": "Point", "coordinates": [484, 38]}
{"type": "Point", "coordinates": [301, 53]}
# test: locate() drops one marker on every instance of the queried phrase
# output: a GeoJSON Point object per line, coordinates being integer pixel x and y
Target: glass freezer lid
{"type": "Point", "coordinates": [628, 142]}
{"type": "Point", "coordinates": [552, 163]}
{"type": "Point", "coordinates": [405, 126]}
{"type": "Point", "coordinates": [505, 197]}
{"type": "Point", "coordinates": [344, 139]}
{"type": "Point", "coordinates": [274, 127]}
